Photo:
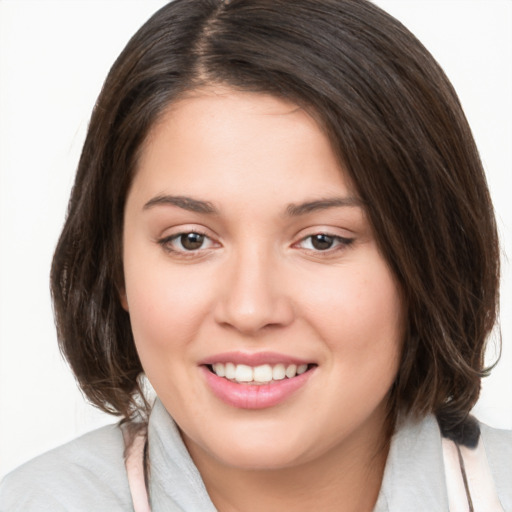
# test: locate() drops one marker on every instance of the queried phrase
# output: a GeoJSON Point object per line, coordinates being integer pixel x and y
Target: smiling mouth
{"type": "Point", "coordinates": [258, 375]}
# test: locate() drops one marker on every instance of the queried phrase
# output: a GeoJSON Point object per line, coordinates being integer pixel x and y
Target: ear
{"type": "Point", "coordinates": [123, 299]}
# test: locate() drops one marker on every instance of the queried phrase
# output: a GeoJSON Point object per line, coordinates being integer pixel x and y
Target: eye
{"type": "Point", "coordinates": [191, 241]}
{"type": "Point", "coordinates": [324, 242]}
{"type": "Point", "coordinates": [186, 242]}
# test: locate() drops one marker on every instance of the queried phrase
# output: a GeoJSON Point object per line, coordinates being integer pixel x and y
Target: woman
{"type": "Point", "coordinates": [292, 238]}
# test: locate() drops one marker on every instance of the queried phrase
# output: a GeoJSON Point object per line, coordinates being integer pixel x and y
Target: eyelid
{"type": "Point", "coordinates": [165, 241]}
{"type": "Point", "coordinates": [341, 242]}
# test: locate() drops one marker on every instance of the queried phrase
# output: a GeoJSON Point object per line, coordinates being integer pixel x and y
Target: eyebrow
{"type": "Point", "coordinates": [295, 210]}
{"type": "Point", "coordinates": [187, 203]}
{"type": "Point", "coordinates": [292, 210]}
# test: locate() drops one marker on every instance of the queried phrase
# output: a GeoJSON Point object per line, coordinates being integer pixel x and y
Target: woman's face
{"type": "Point", "coordinates": [263, 313]}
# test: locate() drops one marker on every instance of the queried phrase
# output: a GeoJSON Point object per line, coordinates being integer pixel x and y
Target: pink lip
{"type": "Point", "coordinates": [254, 396]}
{"type": "Point", "coordinates": [253, 359]}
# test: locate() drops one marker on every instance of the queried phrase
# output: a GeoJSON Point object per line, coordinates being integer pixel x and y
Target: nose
{"type": "Point", "coordinates": [253, 294]}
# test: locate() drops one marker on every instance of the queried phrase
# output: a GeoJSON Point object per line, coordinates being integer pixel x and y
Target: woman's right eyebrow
{"type": "Point", "coordinates": [187, 203]}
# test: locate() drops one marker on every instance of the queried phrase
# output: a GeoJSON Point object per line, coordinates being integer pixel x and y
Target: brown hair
{"type": "Point", "coordinates": [395, 122]}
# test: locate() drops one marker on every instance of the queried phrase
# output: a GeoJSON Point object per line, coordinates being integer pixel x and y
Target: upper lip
{"type": "Point", "coordinates": [254, 358]}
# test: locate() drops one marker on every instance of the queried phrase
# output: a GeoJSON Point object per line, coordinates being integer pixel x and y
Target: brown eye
{"type": "Point", "coordinates": [188, 243]}
{"type": "Point", "coordinates": [322, 242]}
{"type": "Point", "coordinates": [191, 241]}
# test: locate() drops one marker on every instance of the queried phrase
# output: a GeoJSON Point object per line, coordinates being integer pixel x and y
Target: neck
{"type": "Point", "coordinates": [346, 479]}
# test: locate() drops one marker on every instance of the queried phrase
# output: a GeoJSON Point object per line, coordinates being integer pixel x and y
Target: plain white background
{"type": "Point", "coordinates": [54, 56]}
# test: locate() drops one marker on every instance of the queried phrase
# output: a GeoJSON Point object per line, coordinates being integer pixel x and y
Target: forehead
{"type": "Point", "coordinates": [219, 142]}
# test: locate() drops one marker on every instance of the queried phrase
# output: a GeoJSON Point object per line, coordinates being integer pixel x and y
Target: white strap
{"type": "Point", "coordinates": [468, 479]}
{"type": "Point", "coordinates": [134, 462]}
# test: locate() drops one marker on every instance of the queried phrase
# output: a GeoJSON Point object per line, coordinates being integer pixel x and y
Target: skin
{"type": "Point", "coordinates": [258, 284]}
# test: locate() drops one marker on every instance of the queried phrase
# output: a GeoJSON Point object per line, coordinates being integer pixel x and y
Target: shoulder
{"type": "Point", "coordinates": [85, 474]}
{"type": "Point", "coordinates": [414, 477]}
{"type": "Point", "coordinates": [498, 449]}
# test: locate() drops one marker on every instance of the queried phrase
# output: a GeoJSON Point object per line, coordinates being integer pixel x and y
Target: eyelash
{"type": "Point", "coordinates": [340, 243]}
{"type": "Point", "coordinates": [166, 243]}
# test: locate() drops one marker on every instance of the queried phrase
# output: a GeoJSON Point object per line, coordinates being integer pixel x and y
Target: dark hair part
{"type": "Point", "coordinates": [397, 126]}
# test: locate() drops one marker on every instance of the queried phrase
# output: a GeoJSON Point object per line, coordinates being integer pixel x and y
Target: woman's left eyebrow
{"type": "Point", "coordinates": [294, 210]}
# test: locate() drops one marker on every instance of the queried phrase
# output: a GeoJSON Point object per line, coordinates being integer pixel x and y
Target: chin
{"type": "Point", "coordinates": [259, 458]}
{"type": "Point", "coordinates": [261, 447]}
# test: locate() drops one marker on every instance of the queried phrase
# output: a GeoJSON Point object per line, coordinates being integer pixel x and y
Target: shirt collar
{"type": "Point", "coordinates": [175, 483]}
{"type": "Point", "coordinates": [414, 474]}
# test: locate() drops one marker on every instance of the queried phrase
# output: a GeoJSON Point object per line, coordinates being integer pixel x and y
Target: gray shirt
{"type": "Point", "coordinates": [88, 474]}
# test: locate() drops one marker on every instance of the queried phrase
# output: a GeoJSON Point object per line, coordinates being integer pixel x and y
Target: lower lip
{"type": "Point", "coordinates": [254, 396]}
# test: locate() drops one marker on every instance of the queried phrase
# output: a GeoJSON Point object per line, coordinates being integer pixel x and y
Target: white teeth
{"type": "Point", "coordinates": [230, 371]}
{"type": "Point", "coordinates": [219, 369]}
{"type": "Point", "coordinates": [262, 374]}
{"type": "Point", "coordinates": [243, 373]}
{"type": "Point", "coordinates": [291, 371]}
{"type": "Point", "coordinates": [301, 369]}
{"type": "Point", "coordinates": [279, 372]}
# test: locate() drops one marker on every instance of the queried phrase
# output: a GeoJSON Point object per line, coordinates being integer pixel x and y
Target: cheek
{"type": "Point", "coordinates": [363, 328]}
{"type": "Point", "coordinates": [360, 314]}
{"type": "Point", "coordinates": [166, 313]}
{"type": "Point", "coordinates": [165, 305]}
